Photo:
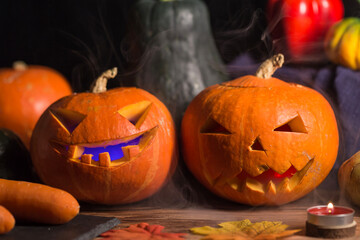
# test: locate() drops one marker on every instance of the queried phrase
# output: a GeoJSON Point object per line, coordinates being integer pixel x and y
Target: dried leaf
{"type": "Point", "coordinates": [239, 230]}
{"type": "Point", "coordinates": [225, 237]}
{"type": "Point", "coordinates": [141, 231]}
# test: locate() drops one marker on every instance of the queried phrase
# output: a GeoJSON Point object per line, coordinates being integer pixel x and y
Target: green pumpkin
{"type": "Point", "coordinates": [342, 43]}
{"type": "Point", "coordinates": [15, 161]}
{"type": "Point", "coordinates": [178, 53]}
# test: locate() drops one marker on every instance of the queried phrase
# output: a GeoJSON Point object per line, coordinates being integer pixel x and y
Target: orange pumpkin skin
{"type": "Point", "coordinates": [25, 95]}
{"type": "Point", "coordinates": [260, 141]}
{"type": "Point", "coordinates": [95, 120]}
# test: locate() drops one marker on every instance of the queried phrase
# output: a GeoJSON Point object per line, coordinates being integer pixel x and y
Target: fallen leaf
{"type": "Point", "coordinates": [239, 230]}
{"type": "Point", "coordinates": [225, 237]}
{"type": "Point", "coordinates": [141, 231]}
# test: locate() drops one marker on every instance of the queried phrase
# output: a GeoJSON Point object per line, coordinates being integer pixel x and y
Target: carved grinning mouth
{"type": "Point", "coordinates": [108, 153]}
{"type": "Point", "coordinates": [269, 181]}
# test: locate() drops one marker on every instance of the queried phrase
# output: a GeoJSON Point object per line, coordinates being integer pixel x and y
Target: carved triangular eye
{"type": "Point", "coordinates": [136, 113]}
{"type": "Point", "coordinates": [213, 127]}
{"type": "Point", "coordinates": [257, 146]}
{"type": "Point", "coordinates": [294, 125]}
{"type": "Point", "coordinates": [68, 119]}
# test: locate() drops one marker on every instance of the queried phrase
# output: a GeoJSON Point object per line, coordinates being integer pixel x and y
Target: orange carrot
{"type": "Point", "coordinates": [39, 203]}
{"type": "Point", "coordinates": [7, 220]}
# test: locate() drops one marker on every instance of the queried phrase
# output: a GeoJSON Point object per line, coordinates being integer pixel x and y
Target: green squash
{"type": "Point", "coordinates": [15, 161]}
{"type": "Point", "coordinates": [178, 53]}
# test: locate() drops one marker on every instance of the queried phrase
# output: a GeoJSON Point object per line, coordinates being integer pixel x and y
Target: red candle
{"type": "Point", "coordinates": [330, 222]}
{"type": "Point", "coordinates": [330, 215]}
{"type": "Point", "coordinates": [330, 210]}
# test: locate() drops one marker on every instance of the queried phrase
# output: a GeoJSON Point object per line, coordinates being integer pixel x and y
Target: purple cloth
{"type": "Point", "coordinates": [339, 85]}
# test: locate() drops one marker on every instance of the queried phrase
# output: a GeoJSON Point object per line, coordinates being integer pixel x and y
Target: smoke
{"type": "Point", "coordinates": [250, 37]}
{"type": "Point", "coordinates": [95, 39]}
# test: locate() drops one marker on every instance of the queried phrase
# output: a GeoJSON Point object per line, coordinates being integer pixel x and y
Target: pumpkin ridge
{"type": "Point", "coordinates": [336, 47]}
{"type": "Point", "coordinates": [357, 59]}
{"type": "Point", "coordinates": [353, 26]}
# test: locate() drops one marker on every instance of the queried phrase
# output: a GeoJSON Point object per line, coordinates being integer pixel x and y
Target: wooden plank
{"type": "Point", "coordinates": [180, 218]}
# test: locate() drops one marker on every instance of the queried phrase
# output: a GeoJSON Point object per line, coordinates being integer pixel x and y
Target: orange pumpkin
{"type": "Point", "coordinates": [106, 147]}
{"type": "Point", "coordinates": [26, 92]}
{"type": "Point", "coordinates": [258, 140]}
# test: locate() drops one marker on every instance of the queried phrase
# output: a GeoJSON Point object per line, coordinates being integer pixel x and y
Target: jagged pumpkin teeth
{"type": "Point", "coordinates": [271, 188]}
{"type": "Point", "coordinates": [233, 183]}
{"type": "Point", "coordinates": [104, 159]}
{"type": "Point", "coordinates": [234, 186]}
{"type": "Point", "coordinates": [221, 180]}
{"type": "Point", "coordinates": [86, 158]}
{"type": "Point", "coordinates": [75, 151]}
{"type": "Point", "coordinates": [284, 186]}
{"type": "Point", "coordinates": [295, 179]}
{"type": "Point", "coordinates": [254, 185]}
{"type": "Point", "coordinates": [286, 182]}
{"type": "Point", "coordinates": [130, 151]}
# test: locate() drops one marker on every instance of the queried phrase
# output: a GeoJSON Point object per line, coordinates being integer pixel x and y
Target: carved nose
{"type": "Point", "coordinates": [257, 146]}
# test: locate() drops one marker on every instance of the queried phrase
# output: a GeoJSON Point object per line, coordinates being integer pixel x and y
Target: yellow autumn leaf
{"type": "Point", "coordinates": [225, 237]}
{"type": "Point", "coordinates": [225, 227]}
{"type": "Point", "coordinates": [238, 230]}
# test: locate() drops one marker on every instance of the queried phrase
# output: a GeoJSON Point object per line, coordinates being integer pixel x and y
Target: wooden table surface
{"type": "Point", "coordinates": [179, 215]}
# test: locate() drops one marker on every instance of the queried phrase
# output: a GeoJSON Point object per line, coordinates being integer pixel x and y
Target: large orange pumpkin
{"type": "Point", "coordinates": [26, 92]}
{"type": "Point", "coordinates": [258, 140]}
{"type": "Point", "coordinates": [107, 147]}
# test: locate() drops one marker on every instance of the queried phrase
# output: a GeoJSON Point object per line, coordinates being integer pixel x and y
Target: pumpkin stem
{"type": "Point", "coordinates": [20, 66]}
{"type": "Point", "coordinates": [100, 83]}
{"type": "Point", "coordinates": [267, 68]}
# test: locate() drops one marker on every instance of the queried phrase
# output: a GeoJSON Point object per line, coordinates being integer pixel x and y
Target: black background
{"type": "Point", "coordinates": [82, 38]}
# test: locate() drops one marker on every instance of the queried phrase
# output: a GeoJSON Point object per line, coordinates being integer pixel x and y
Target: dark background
{"type": "Point", "coordinates": [82, 38]}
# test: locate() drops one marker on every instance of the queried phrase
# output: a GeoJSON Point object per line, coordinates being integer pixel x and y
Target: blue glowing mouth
{"type": "Point", "coordinates": [109, 153]}
{"type": "Point", "coordinates": [115, 151]}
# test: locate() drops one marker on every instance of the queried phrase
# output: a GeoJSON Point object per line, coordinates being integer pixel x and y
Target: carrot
{"type": "Point", "coordinates": [39, 203]}
{"type": "Point", "coordinates": [7, 220]}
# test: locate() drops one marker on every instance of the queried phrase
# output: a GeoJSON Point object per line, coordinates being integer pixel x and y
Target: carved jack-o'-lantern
{"type": "Point", "coordinates": [110, 147]}
{"type": "Point", "coordinates": [258, 140]}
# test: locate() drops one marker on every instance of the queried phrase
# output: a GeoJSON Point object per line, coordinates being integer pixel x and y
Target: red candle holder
{"type": "Point", "coordinates": [330, 221]}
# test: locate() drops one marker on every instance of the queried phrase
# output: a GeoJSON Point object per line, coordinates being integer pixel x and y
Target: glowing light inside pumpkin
{"type": "Point", "coordinates": [114, 151]}
{"type": "Point", "coordinates": [330, 208]}
{"type": "Point", "coordinates": [269, 175]}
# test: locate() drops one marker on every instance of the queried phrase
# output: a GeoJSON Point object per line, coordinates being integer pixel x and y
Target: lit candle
{"type": "Point", "coordinates": [330, 221]}
{"type": "Point", "coordinates": [330, 208]}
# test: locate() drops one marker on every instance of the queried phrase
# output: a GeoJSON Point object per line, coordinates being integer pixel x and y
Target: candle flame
{"type": "Point", "coordinates": [330, 207]}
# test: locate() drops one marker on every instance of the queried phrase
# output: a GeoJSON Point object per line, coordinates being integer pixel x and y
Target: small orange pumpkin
{"type": "Point", "coordinates": [106, 147]}
{"type": "Point", "coordinates": [26, 92]}
{"type": "Point", "coordinates": [258, 140]}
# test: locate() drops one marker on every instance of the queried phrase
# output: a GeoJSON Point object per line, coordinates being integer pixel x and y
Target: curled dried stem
{"type": "Point", "coordinates": [20, 66]}
{"type": "Point", "coordinates": [269, 66]}
{"type": "Point", "coordinates": [100, 83]}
